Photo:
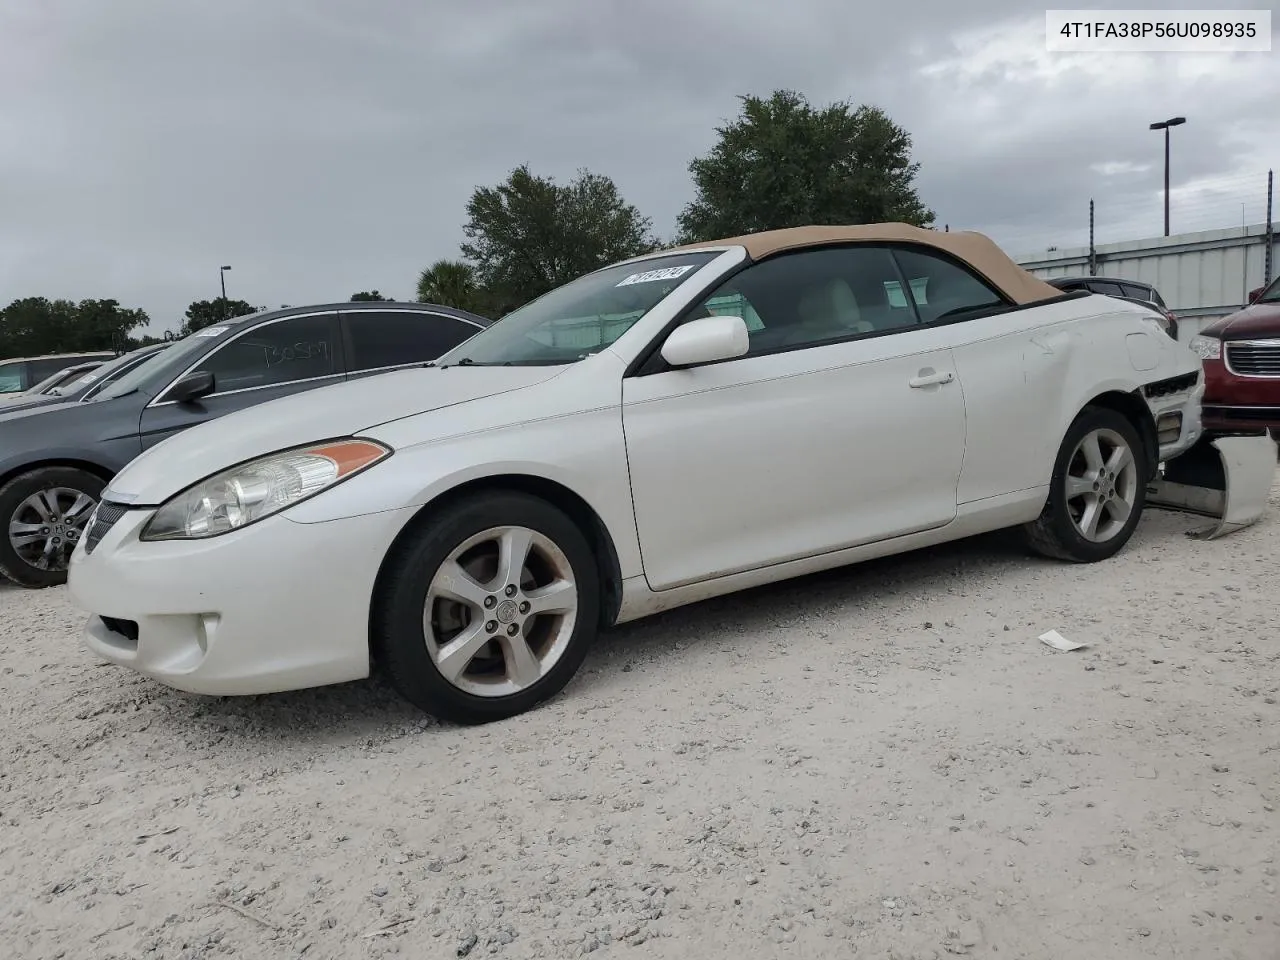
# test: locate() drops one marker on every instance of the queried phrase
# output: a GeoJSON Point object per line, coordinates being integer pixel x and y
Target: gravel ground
{"type": "Point", "coordinates": [880, 761]}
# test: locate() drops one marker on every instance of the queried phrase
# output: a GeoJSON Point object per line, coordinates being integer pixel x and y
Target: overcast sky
{"type": "Point", "coordinates": [322, 147]}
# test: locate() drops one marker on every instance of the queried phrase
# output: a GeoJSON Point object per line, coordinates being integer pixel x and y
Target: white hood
{"type": "Point", "coordinates": [325, 413]}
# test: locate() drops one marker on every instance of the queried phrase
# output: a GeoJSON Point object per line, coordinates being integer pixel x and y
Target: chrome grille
{"type": "Point", "coordinates": [104, 518]}
{"type": "Point", "coordinates": [1253, 358]}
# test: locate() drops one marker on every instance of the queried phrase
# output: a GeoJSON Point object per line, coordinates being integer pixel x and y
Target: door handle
{"type": "Point", "coordinates": [929, 379]}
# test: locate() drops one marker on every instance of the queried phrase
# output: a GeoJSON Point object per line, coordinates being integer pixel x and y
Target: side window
{"type": "Point", "coordinates": [286, 351]}
{"type": "Point", "coordinates": [40, 369]}
{"type": "Point", "coordinates": [394, 337]}
{"type": "Point", "coordinates": [943, 290]}
{"type": "Point", "coordinates": [814, 297]}
{"type": "Point", "coordinates": [1107, 288]}
{"type": "Point", "coordinates": [1157, 299]}
{"type": "Point", "coordinates": [13, 377]}
{"type": "Point", "coordinates": [1137, 292]}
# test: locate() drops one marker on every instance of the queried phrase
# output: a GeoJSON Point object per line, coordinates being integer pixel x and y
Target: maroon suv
{"type": "Point", "coordinates": [1241, 354]}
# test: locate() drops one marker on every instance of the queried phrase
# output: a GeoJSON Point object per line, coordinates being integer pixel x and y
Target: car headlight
{"type": "Point", "coordinates": [246, 493]}
{"type": "Point", "coordinates": [1206, 348]}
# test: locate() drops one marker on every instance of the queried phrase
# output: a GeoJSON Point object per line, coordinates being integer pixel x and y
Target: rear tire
{"type": "Point", "coordinates": [42, 516]}
{"type": "Point", "coordinates": [468, 634]}
{"type": "Point", "coordinates": [1097, 492]}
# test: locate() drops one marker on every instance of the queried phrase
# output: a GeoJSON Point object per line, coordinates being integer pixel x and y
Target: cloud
{"type": "Point", "coordinates": [327, 146]}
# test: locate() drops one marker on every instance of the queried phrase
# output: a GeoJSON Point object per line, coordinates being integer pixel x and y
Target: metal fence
{"type": "Point", "coordinates": [1112, 216]}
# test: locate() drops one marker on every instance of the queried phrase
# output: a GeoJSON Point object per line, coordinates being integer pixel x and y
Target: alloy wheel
{"type": "Point", "coordinates": [500, 611]}
{"type": "Point", "coordinates": [48, 524]}
{"type": "Point", "coordinates": [1102, 485]}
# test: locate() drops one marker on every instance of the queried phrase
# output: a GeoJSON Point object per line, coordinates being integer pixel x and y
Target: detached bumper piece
{"type": "Point", "coordinates": [1225, 477]}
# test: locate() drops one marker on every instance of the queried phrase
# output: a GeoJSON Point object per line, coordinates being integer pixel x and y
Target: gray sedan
{"type": "Point", "coordinates": [55, 460]}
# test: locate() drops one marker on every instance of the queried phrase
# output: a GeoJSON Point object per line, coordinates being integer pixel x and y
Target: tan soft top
{"type": "Point", "coordinates": [975, 249]}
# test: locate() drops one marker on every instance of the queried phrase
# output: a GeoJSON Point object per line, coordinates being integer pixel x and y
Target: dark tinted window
{"type": "Point", "coordinates": [394, 337]}
{"type": "Point", "coordinates": [40, 369]}
{"type": "Point", "coordinates": [943, 290]}
{"type": "Point", "coordinates": [13, 376]}
{"type": "Point", "coordinates": [1107, 288]}
{"type": "Point", "coordinates": [1136, 291]}
{"type": "Point", "coordinates": [285, 351]}
{"type": "Point", "coordinates": [820, 296]}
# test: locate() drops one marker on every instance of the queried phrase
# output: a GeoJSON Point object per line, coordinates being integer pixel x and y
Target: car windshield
{"type": "Point", "coordinates": [87, 377]}
{"type": "Point", "coordinates": [52, 383]}
{"type": "Point", "coordinates": [135, 378]}
{"type": "Point", "coordinates": [581, 317]}
{"type": "Point", "coordinates": [1271, 294]}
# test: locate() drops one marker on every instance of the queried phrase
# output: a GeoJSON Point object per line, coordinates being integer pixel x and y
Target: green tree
{"type": "Point", "coordinates": [784, 163]}
{"type": "Point", "coordinates": [529, 234]}
{"type": "Point", "coordinates": [32, 326]}
{"type": "Point", "coordinates": [367, 296]}
{"type": "Point", "coordinates": [450, 283]}
{"type": "Point", "coordinates": [103, 325]}
{"type": "Point", "coordinates": [204, 313]}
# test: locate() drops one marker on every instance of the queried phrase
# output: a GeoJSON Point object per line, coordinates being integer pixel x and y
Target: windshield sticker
{"type": "Point", "coordinates": [88, 378]}
{"type": "Point", "coordinates": [211, 331]}
{"type": "Point", "coordinates": [649, 276]}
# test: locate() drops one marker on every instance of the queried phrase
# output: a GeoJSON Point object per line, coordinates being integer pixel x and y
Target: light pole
{"type": "Point", "coordinates": [222, 277]}
{"type": "Point", "coordinates": [1165, 125]}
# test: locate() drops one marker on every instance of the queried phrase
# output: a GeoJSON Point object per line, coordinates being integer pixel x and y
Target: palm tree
{"type": "Point", "coordinates": [450, 283]}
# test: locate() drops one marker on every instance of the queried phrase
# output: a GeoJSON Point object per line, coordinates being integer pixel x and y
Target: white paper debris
{"type": "Point", "coordinates": [1056, 640]}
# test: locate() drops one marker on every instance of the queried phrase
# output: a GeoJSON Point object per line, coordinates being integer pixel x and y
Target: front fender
{"type": "Point", "coordinates": [583, 452]}
{"type": "Point", "coordinates": [28, 460]}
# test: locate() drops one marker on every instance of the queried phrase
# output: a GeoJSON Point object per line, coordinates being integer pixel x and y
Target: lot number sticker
{"type": "Point", "coordinates": [649, 276]}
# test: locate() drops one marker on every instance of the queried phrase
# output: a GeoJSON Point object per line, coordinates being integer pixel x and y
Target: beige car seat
{"type": "Point", "coordinates": [827, 311]}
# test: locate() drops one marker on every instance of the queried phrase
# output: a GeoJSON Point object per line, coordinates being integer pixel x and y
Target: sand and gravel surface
{"type": "Point", "coordinates": [880, 761]}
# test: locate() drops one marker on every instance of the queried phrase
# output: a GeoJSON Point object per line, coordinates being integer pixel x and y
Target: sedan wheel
{"type": "Point", "coordinates": [1102, 485]}
{"type": "Point", "coordinates": [1097, 491]}
{"type": "Point", "coordinates": [486, 609]}
{"type": "Point", "coordinates": [500, 611]}
{"type": "Point", "coordinates": [45, 513]}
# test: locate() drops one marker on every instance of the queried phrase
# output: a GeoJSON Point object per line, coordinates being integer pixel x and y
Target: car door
{"type": "Point", "coordinates": [843, 424]}
{"type": "Point", "coordinates": [1012, 363]}
{"type": "Point", "coordinates": [272, 359]}
{"type": "Point", "coordinates": [394, 338]}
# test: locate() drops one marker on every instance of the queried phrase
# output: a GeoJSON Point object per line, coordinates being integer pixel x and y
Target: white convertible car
{"type": "Point", "coordinates": [681, 425]}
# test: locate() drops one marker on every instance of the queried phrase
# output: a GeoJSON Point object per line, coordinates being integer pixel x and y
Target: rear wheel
{"type": "Point", "coordinates": [488, 609]}
{"type": "Point", "coordinates": [1097, 492]}
{"type": "Point", "coordinates": [44, 513]}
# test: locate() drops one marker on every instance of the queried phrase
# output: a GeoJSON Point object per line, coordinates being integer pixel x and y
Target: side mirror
{"type": "Point", "coordinates": [706, 340]}
{"type": "Point", "coordinates": [1255, 294]}
{"type": "Point", "coordinates": [191, 387]}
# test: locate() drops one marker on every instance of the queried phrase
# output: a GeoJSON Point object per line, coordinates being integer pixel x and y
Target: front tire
{"type": "Point", "coordinates": [44, 513]}
{"type": "Point", "coordinates": [486, 610]}
{"type": "Point", "coordinates": [1097, 492]}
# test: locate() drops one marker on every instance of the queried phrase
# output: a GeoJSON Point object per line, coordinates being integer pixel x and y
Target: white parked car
{"type": "Point", "coordinates": [678, 426]}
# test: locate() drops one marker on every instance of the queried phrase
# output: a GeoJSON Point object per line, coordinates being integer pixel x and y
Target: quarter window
{"type": "Point", "coordinates": [943, 290]}
{"type": "Point", "coordinates": [301, 348]}
{"type": "Point", "coordinates": [814, 297]}
{"type": "Point", "coordinates": [397, 337]}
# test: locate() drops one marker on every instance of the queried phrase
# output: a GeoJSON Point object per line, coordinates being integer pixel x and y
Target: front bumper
{"type": "Point", "coordinates": [1177, 417]}
{"type": "Point", "coordinates": [1235, 402]}
{"type": "Point", "coordinates": [279, 605]}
